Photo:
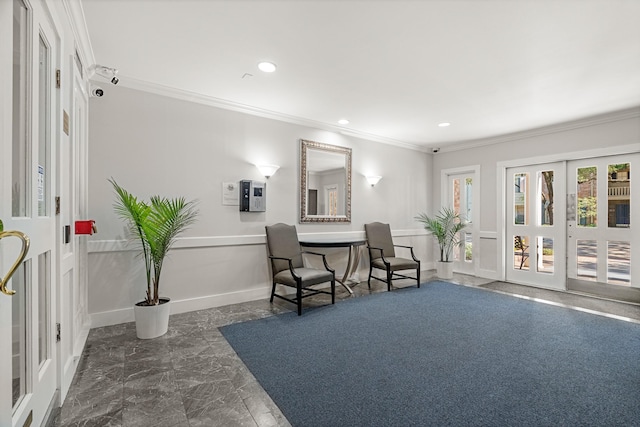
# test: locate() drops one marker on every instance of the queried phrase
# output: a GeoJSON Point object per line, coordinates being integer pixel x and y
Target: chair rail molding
{"type": "Point", "coordinates": [121, 245]}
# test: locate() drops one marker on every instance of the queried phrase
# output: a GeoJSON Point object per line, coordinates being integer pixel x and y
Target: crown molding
{"type": "Point", "coordinates": [78, 23]}
{"type": "Point", "coordinates": [184, 95]}
{"type": "Point", "coordinates": [615, 116]}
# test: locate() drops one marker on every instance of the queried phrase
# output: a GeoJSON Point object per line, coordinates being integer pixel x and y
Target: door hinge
{"type": "Point", "coordinates": [57, 205]}
{"type": "Point", "coordinates": [58, 336]}
{"type": "Point", "coordinates": [58, 79]}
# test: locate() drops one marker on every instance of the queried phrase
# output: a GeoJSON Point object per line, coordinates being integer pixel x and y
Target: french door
{"type": "Point", "coordinates": [461, 190]}
{"type": "Point", "coordinates": [27, 146]}
{"type": "Point", "coordinates": [603, 235]}
{"type": "Point", "coordinates": [535, 229]}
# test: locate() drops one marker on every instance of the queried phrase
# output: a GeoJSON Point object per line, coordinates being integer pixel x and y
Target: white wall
{"type": "Point", "coordinates": [156, 144]}
{"type": "Point", "coordinates": [609, 134]}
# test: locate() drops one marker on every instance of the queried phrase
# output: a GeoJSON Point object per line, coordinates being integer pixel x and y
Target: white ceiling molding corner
{"type": "Point", "coordinates": [615, 116]}
{"type": "Point", "coordinates": [146, 86]}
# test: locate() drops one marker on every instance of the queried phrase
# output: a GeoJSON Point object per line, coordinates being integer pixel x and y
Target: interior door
{"type": "Point", "coordinates": [535, 239]}
{"type": "Point", "coordinates": [603, 227]}
{"type": "Point", "coordinates": [28, 380]}
{"type": "Point", "coordinates": [461, 189]}
{"type": "Point", "coordinates": [72, 271]}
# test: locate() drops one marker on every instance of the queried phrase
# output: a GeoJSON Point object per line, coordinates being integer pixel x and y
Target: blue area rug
{"type": "Point", "coordinates": [445, 355]}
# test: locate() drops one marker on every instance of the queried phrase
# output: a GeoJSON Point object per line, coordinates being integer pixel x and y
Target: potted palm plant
{"type": "Point", "coordinates": [445, 227]}
{"type": "Point", "coordinates": [154, 227]}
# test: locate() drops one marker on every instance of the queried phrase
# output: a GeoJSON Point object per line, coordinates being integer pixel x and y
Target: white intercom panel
{"type": "Point", "coordinates": [253, 196]}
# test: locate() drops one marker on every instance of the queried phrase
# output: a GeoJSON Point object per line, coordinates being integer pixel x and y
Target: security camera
{"type": "Point", "coordinates": [108, 73]}
{"type": "Point", "coordinates": [435, 150]}
{"type": "Point", "coordinates": [97, 92]}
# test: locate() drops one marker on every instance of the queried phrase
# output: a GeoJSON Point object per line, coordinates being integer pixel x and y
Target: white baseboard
{"type": "Point", "coordinates": [488, 274]}
{"type": "Point", "coordinates": [201, 303]}
{"type": "Point", "coordinates": [114, 317]}
{"type": "Point", "coordinates": [68, 371]}
{"type": "Point", "coordinates": [81, 339]}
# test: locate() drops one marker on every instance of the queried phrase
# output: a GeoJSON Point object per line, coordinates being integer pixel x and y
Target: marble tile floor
{"type": "Point", "coordinates": [190, 376]}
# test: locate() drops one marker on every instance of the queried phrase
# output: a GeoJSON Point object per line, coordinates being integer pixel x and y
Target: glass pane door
{"type": "Point", "coordinates": [28, 379]}
{"type": "Point", "coordinates": [601, 241]}
{"type": "Point", "coordinates": [461, 190]}
{"type": "Point", "coordinates": [535, 239]}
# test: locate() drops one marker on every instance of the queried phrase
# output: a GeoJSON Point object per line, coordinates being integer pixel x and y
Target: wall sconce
{"type": "Point", "coordinates": [267, 170]}
{"type": "Point", "coordinates": [373, 179]}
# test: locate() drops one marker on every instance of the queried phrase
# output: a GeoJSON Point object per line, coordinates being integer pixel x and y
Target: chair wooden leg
{"type": "Point", "coordinates": [333, 292]}
{"type": "Point", "coordinates": [299, 298]}
{"type": "Point", "coordinates": [273, 291]}
{"type": "Point", "coordinates": [370, 271]}
{"type": "Point", "coordinates": [418, 276]}
{"type": "Point", "coordinates": [389, 276]}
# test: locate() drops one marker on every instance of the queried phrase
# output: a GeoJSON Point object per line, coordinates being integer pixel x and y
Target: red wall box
{"type": "Point", "coordinates": [85, 227]}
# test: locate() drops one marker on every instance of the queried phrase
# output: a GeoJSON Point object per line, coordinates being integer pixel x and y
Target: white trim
{"type": "Point", "coordinates": [96, 246]}
{"type": "Point", "coordinates": [572, 155]}
{"type": "Point", "coordinates": [487, 274]}
{"type": "Point", "coordinates": [71, 364]}
{"type": "Point", "coordinates": [78, 23]}
{"type": "Point", "coordinates": [475, 171]}
{"type": "Point", "coordinates": [81, 339]}
{"type": "Point", "coordinates": [124, 315]}
{"type": "Point", "coordinates": [488, 235]}
{"type": "Point", "coordinates": [184, 95]}
{"type": "Point", "coordinates": [181, 243]}
{"type": "Point", "coordinates": [410, 232]}
{"type": "Point", "coordinates": [630, 113]}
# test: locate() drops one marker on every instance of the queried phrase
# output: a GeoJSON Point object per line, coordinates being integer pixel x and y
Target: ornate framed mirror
{"type": "Point", "coordinates": [325, 182]}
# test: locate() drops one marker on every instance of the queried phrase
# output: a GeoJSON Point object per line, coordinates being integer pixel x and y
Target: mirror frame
{"type": "Point", "coordinates": [305, 146]}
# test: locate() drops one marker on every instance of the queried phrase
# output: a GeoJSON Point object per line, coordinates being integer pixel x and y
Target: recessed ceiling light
{"type": "Point", "coordinates": [444, 124]}
{"type": "Point", "coordinates": [343, 121]}
{"type": "Point", "coordinates": [267, 67]}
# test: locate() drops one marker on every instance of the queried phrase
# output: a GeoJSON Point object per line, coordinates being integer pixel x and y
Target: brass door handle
{"type": "Point", "coordinates": [16, 264]}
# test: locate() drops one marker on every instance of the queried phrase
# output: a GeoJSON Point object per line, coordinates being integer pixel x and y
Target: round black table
{"type": "Point", "coordinates": [354, 255]}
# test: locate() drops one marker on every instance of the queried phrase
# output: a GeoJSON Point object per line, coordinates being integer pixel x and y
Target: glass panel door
{"type": "Point", "coordinates": [535, 239]}
{"type": "Point", "coordinates": [601, 241]}
{"type": "Point", "coordinates": [461, 190]}
{"type": "Point", "coordinates": [28, 380]}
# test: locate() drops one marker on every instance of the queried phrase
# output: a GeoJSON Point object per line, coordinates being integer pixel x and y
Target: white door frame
{"type": "Point", "coordinates": [474, 227]}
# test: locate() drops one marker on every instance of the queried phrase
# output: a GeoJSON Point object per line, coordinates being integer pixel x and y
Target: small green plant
{"type": "Point", "coordinates": [155, 226]}
{"type": "Point", "coordinates": [445, 227]}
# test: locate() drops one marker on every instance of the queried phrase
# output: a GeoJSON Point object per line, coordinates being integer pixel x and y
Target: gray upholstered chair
{"type": "Point", "coordinates": [382, 255]}
{"type": "Point", "coordinates": [287, 266]}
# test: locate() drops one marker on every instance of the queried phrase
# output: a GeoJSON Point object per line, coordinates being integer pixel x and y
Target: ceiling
{"type": "Point", "coordinates": [394, 68]}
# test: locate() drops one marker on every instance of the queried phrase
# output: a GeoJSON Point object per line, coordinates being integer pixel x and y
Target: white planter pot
{"type": "Point", "coordinates": [444, 270]}
{"type": "Point", "coordinates": [152, 321]}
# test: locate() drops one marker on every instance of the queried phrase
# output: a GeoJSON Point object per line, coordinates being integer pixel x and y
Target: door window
{"type": "Point", "coordinates": [20, 170]}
